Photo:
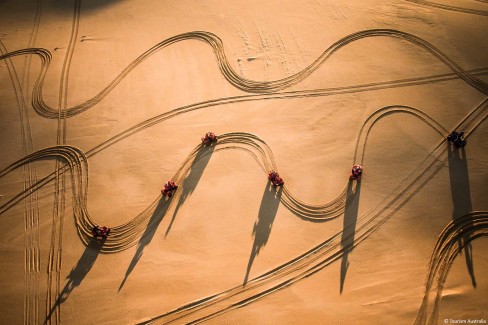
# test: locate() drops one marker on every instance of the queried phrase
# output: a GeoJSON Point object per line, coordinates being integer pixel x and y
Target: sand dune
{"type": "Point", "coordinates": [102, 103]}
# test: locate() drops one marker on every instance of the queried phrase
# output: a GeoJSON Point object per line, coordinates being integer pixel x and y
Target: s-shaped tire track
{"type": "Point", "coordinates": [298, 264]}
{"type": "Point", "coordinates": [236, 99]}
{"type": "Point", "coordinates": [230, 75]}
{"type": "Point", "coordinates": [8, 204]}
{"type": "Point", "coordinates": [126, 235]}
{"type": "Point", "coordinates": [327, 252]}
{"type": "Point", "coordinates": [473, 81]}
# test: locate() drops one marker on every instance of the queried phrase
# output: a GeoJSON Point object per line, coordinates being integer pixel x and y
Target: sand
{"type": "Point", "coordinates": [103, 101]}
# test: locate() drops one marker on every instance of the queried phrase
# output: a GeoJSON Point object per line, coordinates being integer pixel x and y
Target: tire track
{"type": "Point", "coordinates": [451, 8]}
{"type": "Point", "coordinates": [262, 88]}
{"type": "Point", "coordinates": [252, 144]}
{"type": "Point", "coordinates": [34, 200]}
{"type": "Point", "coordinates": [304, 210]}
{"type": "Point", "coordinates": [17, 88]}
{"type": "Point", "coordinates": [327, 252]}
{"type": "Point", "coordinates": [246, 98]}
{"type": "Point", "coordinates": [59, 208]}
{"type": "Point", "coordinates": [124, 236]}
{"type": "Point", "coordinates": [31, 212]}
{"type": "Point", "coordinates": [470, 226]}
{"type": "Point", "coordinates": [230, 75]}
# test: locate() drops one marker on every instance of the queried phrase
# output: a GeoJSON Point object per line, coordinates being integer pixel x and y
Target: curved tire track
{"type": "Point", "coordinates": [230, 75]}
{"type": "Point", "coordinates": [328, 251]}
{"type": "Point", "coordinates": [468, 227]}
{"type": "Point", "coordinates": [451, 8]}
{"type": "Point", "coordinates": [74, 160]}
{"type": "Point", "coordinates": [303, 266]}
{"type": "Point", "coordinates": [126, 235]}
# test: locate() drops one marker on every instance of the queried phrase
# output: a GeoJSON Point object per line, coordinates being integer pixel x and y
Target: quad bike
{"type": "Point", "coordinates": [169, 188]}
{"type": "Point", "coordinates": [209, 138]}
{"type": "Point", "coordinates": [457, 139]}
{"type": "Point", "coordinates": [357, 171]}
{"type": "Point", "coordinates": [100, 231]}
{"type": "Point", "coordinates": [275, 178]}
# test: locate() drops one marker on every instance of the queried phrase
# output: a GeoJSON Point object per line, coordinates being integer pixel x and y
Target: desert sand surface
{"type": "Point", "coordinates": [103, 101]}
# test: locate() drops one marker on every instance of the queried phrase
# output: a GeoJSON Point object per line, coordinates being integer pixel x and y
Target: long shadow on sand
{"type": "Point", "coordinates": [77, 274]}
{"type": "Point", "coordinates": [191, 180]}
{"type": "Point", "coordinates": [146, 238]}
{"type": "Point", "coordinates": [349, 228]}
{"type": "Point", "coordinates": [262, 227]}
{"type": "Point", "coordinates": [461, 198]}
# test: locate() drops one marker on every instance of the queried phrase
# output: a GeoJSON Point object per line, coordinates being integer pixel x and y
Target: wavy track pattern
{"type": "Point", "coordinates": [230, 75]}
{"type": "Point", "coordinates": [210, 103]}
{"type": "Point", "coordinates": [124, 236]}
{"type": "Point", "coordinates": [327, 252]}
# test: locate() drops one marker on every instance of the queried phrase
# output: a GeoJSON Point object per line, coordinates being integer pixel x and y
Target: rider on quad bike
{"type": "Point", "coordinates": [457, 139]}
{"type": "Point", "coordinates": [357, 171]}
{"type": "Point", "coordinates": [100, 231]}
{"type": "Point", "coordinates": [169, 188]}
{"type": "Point", "coordinates": [275, 178]}
{"type": "Point", "coordinates": [209, 138]}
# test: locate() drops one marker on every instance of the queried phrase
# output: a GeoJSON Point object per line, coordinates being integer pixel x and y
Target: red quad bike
{"type": "Point", "coordinates": [100, 231]}
{"type": "Point", "coordinates": [357, 171]}
{"type": "Point", "coordinates": [209, 138]}
{"type": "Point", "coordinates": [169, 188]}
{"type": "Point", "coordinates": [275, 178]}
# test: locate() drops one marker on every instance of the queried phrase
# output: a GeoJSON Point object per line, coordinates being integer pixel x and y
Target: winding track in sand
{"type": "Point", "coordinates": [59, 206]}
{"type": "Point", "coordinates": [468, 227]}
{"type": "Point", "coordinates": [302, 266]}
{"type": "Point", "coordinates": [295, 270]}
{"type": "Point", "coordinates": [451, 8]}
{"type": "Point", "coordinates": [20, 86]}
{"type": "Point", "coordinates": [327, 252]}
{"type": "Point", "coordinates": [230, 75]}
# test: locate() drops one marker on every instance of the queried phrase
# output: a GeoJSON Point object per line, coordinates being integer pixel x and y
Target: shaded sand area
{"type": "Point", "coordinates": [101, 102]}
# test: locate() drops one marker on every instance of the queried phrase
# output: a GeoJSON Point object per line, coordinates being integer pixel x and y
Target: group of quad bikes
{"type": "Point", "coordinates": [102, 232]}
